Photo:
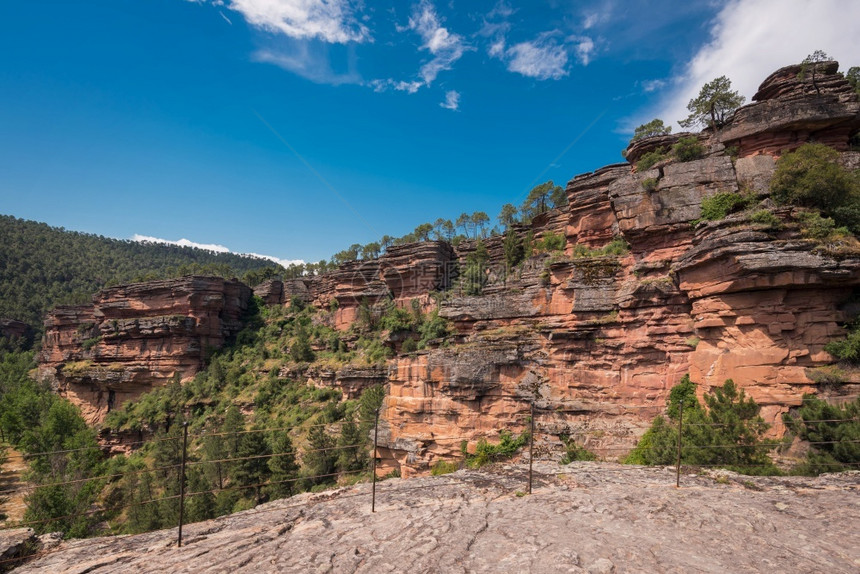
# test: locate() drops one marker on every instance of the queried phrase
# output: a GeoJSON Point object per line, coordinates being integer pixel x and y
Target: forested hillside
{"type": "Point", "coordinates": [43, 266]}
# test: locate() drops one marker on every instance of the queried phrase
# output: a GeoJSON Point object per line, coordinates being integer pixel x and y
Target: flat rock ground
{"type": "Point", "coordinates": [585, 517]}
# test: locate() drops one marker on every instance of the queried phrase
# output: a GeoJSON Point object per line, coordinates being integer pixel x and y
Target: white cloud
{"type": "Point", "coordinates": [445, 46]}
{"type": "Point", "coordinates": [752, 38]}
{"type": "Point", "coordinates": [649, 86]}
{"type": "Point", "coordinates": [543, 58]}
{"type": "Point", "coordinates": [584, 49]}
{"type": "Point", "coordinates": [597, 16]}
{"type": "Point", "coordinates": [212, 247]}
{"type": "Point", "coordinates": [332, 21]}
{"type": "Point", "coordinates": [308, 59]}
{"type": "Point", "coordinates": [452, 100]}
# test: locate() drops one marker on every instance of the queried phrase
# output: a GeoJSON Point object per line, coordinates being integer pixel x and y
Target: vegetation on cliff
{"type": "Point", "coordinates": [43, 266]}
{"type": "Point", "coordinates": [727, 431]}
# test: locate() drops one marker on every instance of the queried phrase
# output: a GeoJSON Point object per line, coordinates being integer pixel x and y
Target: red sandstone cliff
{"type": "Point", "coordinates": [597, 340]}
{"type": "Point", "coordinates": [136, 337]}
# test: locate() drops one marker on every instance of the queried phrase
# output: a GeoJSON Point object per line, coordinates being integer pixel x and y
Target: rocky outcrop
{"type": "Point", "coordinates": [581, 518]}
{"type": "Point", "coordinates": [136, 337]}
{"type": "Point", "coordinates": [795, 105]}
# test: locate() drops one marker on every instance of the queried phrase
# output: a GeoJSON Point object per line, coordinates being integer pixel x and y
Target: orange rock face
{"type": "Point", "coordinates": [136, 337]}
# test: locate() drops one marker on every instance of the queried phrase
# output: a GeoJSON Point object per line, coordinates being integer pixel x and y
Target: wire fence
{"type": "Point", "coordinates": [531, 413]}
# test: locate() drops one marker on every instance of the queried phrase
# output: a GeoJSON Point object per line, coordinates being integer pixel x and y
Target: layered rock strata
{"type": "Point", "coordinates": [137, 337]}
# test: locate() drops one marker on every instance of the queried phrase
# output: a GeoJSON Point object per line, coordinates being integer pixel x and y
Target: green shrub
{"type": "Point", "coordinates": [90, 343]}
{"type": "Point", "coordinates": [814, 226]}
{"type": "Point", "coordinates": [688, 149]}
{"type": "Point", "coordinates": [811, 176]}
{"type": "Point", "coordinates": [486, 453]}
{"type": "Point", "coordinates": [444, 467]}
{"type": "Point", "coordinates": [718, 206]}
{"type": "Point", "coordinates": [650, 184]}
{"type": "Point", "coordinates": [651, 158]}
{"type": "Point", "coordinates": [551, 242]}
{"type": "Point", "coordinates": [847, 349]}
{"type": "Point", "coordinates": [834, 431]}
{"type": "Point", "coordinates": [574, 452]}
{"type": "Point", "coordinates": [727, 432]}
{"type": "Point", "coordinates": [765, 217]}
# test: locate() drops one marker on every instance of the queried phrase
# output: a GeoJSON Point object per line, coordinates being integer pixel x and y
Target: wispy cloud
{"type": "Point", "coordinates": [333, 21]}
{"type": "Point", "coordinates": [211, 247]}
{"type": "Point", "coordinates": [543, 58]}
{"type": "Point", "coordinates": [445, 46]}
{"type": "Point", "coordinates": [310, 59]}
{"type": "Point", "coordinates": [752, 38]}
{"type": "Point", "coordinates": [452, 100]}
{"type": "Point", "coordinates": [649, 86]}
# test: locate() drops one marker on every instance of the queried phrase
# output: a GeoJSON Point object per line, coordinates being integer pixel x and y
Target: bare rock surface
{"type": "Point", "coordinates": [585, 517]}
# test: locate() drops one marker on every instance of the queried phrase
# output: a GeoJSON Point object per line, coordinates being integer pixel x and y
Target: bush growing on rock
{"type": "Point", "coordinates": [688, 149]}
{"type": "Point", "coordinates": [653, 128]}
{"type": "Point", "coordinates": [811, 176]}
{"type": "Point", "coordinates": [834, 431]}
{"type": "Point", "coordinates": [727, 432]}
{"type": "Point", "coordinates": [719, 205]}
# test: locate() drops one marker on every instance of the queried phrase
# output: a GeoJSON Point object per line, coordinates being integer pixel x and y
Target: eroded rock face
{"type": "Point", "coordinates": [474, 521]}
{"type": "Point", "coordinates": [793, 106]}
{"type": "Point", "coordinates": [137, 337]}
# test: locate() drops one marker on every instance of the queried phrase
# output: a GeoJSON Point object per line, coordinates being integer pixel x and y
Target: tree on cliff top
{"type": "Point", "coordinates": [653, 128]}
{"type": "Point", "coordinates": [715, 102]}
{"type": "Point", "coordinates": [542, 198]}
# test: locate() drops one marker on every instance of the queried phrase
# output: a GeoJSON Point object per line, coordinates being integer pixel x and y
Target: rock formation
{"type": "Point", "coordinates": [136, 337]}
{"type": "Point", "coordinates": [581, 518]}
{"type": "Point", "coordinates": [594, 336]}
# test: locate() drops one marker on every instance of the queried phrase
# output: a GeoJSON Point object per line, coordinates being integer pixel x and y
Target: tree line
{"type": "Point", "coordinates": [43, 266]}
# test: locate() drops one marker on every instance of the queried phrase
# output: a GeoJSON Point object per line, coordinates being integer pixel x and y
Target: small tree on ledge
{"type": "Point", "coordinates": [715, 103]}
{"type": "Point", "coordinates": [653, 128]}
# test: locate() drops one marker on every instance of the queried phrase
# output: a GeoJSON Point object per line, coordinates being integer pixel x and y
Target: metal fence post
{"type": "Point", "coordinates": [375, 443]}
{"type": "Point", "coordinates": [680, 429]}
{"type": "Point", "coordinates": [182, 480]}
{"type": "Point", "coordinates": [531, 443]}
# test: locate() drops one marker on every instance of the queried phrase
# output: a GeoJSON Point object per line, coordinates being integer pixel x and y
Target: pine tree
{"type": "Point", "coordinates": [282, 465]}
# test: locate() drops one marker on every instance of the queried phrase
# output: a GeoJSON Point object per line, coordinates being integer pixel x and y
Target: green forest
{"type": "Point", "coordinates": [43, 266]}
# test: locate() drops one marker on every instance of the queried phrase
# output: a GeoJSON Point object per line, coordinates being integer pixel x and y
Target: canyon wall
{"type": "Point", "coordinates": [137, 337]}
{"type": "Point", "coordinates": [593, 336]}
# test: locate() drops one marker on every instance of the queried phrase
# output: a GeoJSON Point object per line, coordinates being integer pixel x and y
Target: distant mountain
{"type": "Point", "coordinates": [43, 266]}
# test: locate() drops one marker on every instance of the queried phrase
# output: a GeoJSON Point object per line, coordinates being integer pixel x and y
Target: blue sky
{"type": "Point", "coordinates": [293, 128]}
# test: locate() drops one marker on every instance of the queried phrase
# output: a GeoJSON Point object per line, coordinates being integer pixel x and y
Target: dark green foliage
{"type": "Point", "coordinates": [714, 104]}
{"type": "Point", "coordinates": [508, 215]}
{"type": "Point", "coordinates": [766, 217]}
{"type": "Point", "coordinates": [283, 466]}
{"type": "Point", "coordinates": [513, 248]}
{"type": "Point", "coordinates": [811, 176]}
{"type": "Point", "coordinates": [45, 266]}
{"type": "Point", "coordinates": [551, 242]}
{"type": "Point", "coordinates": [36, 420]}
{"type": "Point", "coordinates": [616, 248]}
{"type": "Point", "coordinates": [718, 206]}
{"type": "Point", "coordinates": [252, 468]}
{"type": "Point", "coordinates": [486, 452]}
{"type": "Point", "coordinates": [542, 198]}
{"type": "Point", "coordinates": [649, 184]}
{"type": "Point", "coordinates": [727, 432]}
{"type": "Point", "coordinates": [688, 149]}
{"type": "Point", "coordinates": [653, 128]}
{"type": "Point", "coordinates": [847, 349]}
{"type": "Point", "coordinates": [649, 159]}
{"type": "Point", "coordinates": [301, 351]}
{"type": "Point", "coordinates": [200, 501]}
{"type": "Point", "coordinates": [475, 273]}
{"type": "Point", "coordinates": [574, 452]}
{"type": "Point", "coordinates": [853, 77]}
{"type": "Point", "coordinates": [320, 458]}
{"type": "Point", "coordinates": [833, 430]}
